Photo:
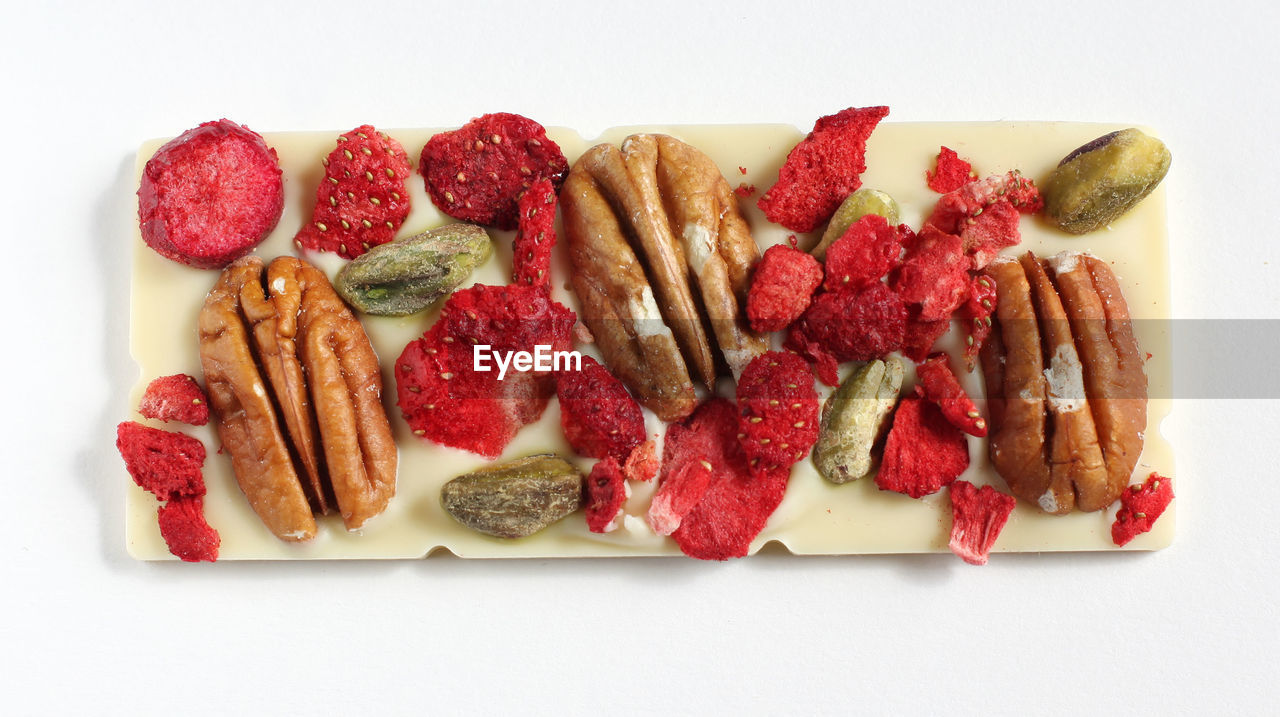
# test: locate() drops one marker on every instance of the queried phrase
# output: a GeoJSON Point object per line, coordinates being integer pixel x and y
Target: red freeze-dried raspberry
{"type": "Point", "coordinates": [446, 400]}
{"type": "Point", "coordinates": [781, 288]}
{"type": "Point", "coordinates": [778, 411]}
{"type": "Point", "coordinates": [856, 324]}
{"type": "Point", "coordinates": [923, 452]}
{"type": "Point", "coordinates": [952, 173]}
{"type": "Point", "coordinates": [1140, 507]}
{"type": "Point", "coordinates": [175, 398]}
{"type": "Point", "coordinates": [920, 335]}
{"type": "Point", "coordinates": [606, 493]}
{"type": "Point", "coordinates": [977, 311]}
{"type": "Point", "coordinates": [600, 419]}
{"type": "Point", "coordinates": [361, 201]}
{"type": "Point", "coordinates": [643, 463]}
{"type": "Point", "coordinates": [478, 172]}
{"type": "Point", "coordinates": [977, 517]}
{"type": "Point", "coordinates": [822, 170]}
{"type": "Point", "coordinates": [941, 386]}
{"type": "Point", "coordinates": [185, 531]}
{"type": "Point", "coordinates": [934, 274]}
{"type": "Point", "coordinates": [535, 236]}
{"type": "Point", "coordinates": [825, 365]}
{"type": "Point", "coordinates": [736, 504]}
{"type": "Point", "coordinates": [210, 195]}
{"type": "Point", "coordinates": [864, 253]}
{"type": "Point", "coordinates": [984, 214]}
{"type": "Point", "coordinates": [677, 494]}
{"type": "Point", "coordinates": [166, 463]}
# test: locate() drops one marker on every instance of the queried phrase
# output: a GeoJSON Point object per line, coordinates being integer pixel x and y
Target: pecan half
{"type": "Point", "coordinates": [1065, 386]}
{"type": "Point", "coordinates": [648, 226]}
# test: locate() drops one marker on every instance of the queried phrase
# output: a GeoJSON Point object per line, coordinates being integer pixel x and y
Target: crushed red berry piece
{"type": "Point", "coordinates": [210, 195]}
{"type": "Point", "coordinates": [166, 463]}
{"type": "Point", "coordinates": [781, 288]}
{"type": "Point", "coordinates": [825, 365]}
{"type": "Point", "coordinates": [744, 190]}
{"type": "Point", "coordinates": [736, 504]}
{"type": "Point", "coordinates": [186, 532]}
{"type": "Point", "coordinates": [175, 398]}
{"type": "Point", "coordinates": [361, 201]}
{"type": "Point", "coordinates": [952, 172]}
{"type": "Point", "coordinates": [855, 324]}
{"type": "Point", "coordinates": [535, 236]}
{"type": "Point", "coordinates": [478, 172]}
{"type": "Point", "coordinates": [600, 419]}
{"type": "Point", "coordinates": [642, 464]}
{"type": "Point", "coordinates": [934, 274]}
{"type": "Point", "coordinates": [606, 493]}
{"type": "Point", "coordinates": [778, 411]}
{"type": "Point", "coordinates": [977, 517]}
{"type": "Point", "coordinates": [822, 170]}
{"type": "Point", "coordinates": [446, 400]}
{"type": "Point", "coordinates": [677, 494]}
{"type": "Point", "coordinates": [977, 311]}
{"type": "Point", "coordinates": [1140, 507]}
{"type": "Point", "coordinates": [923, 452]}
{"type": "Point", "coordinates": [984, 214]}
{"type": "Point", "coordinates": [920, 335]}
{"type": "Point", "coordinates": [941, 386]}
{"type": "Point", "coordinates": [868, 249]}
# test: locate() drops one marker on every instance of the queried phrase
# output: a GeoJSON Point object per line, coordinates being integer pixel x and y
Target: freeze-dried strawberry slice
{"type": "Point", "coordinates": [868, 249]}
{"type": "Point", "coordinates": [175, 398]}
{"type": "Point", "coordinates": [822, 170]}
{"type": "Point", "coordinates": [984, 214]}
{"type": "Point", "coordinates": [642, 464]}
{"type": "Point", "coordinates": [186, 532]}
{"type": "Point", "coordinates": [941, 386]}
{"type": "Point", "coordinates": [952, 172]}
{"type": "Point", "coordinates": [736, 504]}
{"type": "Point", "coordinates": [677, 494]}
{"type": "Point", "coordinates": [535, 236]}
{"type": "Point", "coordinates": [853, 324]}
{"type": "Point", "coordinates": [599, 418]}
{"type": "Point", "coordinates": [1140, 507]}
{"type": "Point", "coordinates": [977, 517]}
{"type": "Point", "coordinates": [362, 200]}
{"type": "Point", "coordinates": [606, 493]}
{"type": "Point", "coordinates": [778, 411]}
{"type": "Point", "coordinates": [923, 452]}
{"type": "Point", "coordinates": [445, 399]}
{"type": "Point", "coordinates": [782, 287]}
{"type": "Point", "coordinates": [977, 310]}
{"type": "Point", "coordinates": [166, 463]}
{"type": "Point", "coordinates": [934, 274]}
{"type": "Point", "coordinates": [478, 172]}
{"type": "Point", "coordinates": [920, 335]}
{"type": "Point", "coordinates": [210, 195]}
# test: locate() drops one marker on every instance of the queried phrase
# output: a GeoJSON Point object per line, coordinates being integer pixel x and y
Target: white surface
{"type": "Point", "coordinates": [85, 628]}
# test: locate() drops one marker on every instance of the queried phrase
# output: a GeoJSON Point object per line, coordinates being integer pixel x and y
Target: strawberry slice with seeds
{"type": "Point", "coordinates": [923, 452]}
{"type": "Point", "coordinates": [978, 310]}
{"type": "Point", "coordinates": [599, 418]}
{"type": "Point", "coordinates": [778, 411]}
{"type": "Point", "coordinates": [186, 532]}
{"type": "Point", "coordinates": [940, 385]}
{"type": "Point", "coordinates": [1140, 507]}
{"type": "Point", "coordinates": [535, 236]}
{"type": "Point", "coordinates": [362, 201]}
{"type": "Point", "coordinates": [977, 517]}
{"type": "Point", "coordinates": [606, 493]}
{"type": "Point", "coordinates": [167, 464]}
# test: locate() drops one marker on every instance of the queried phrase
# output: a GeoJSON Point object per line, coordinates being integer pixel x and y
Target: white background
{"type": "Point", "coordinates": [84, 628]}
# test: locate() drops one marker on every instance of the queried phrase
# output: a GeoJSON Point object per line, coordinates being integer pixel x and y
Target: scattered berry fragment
{"type": "Point", "coordinates": [1140, 507]}
{"type": "Point", "coordinates": [643, 463]}
{"type": "Point", "coordinates": [941, 386]}
{"type": "Point", "coordinates": [977, 517]}
{"type": "Point", "coordinates": [210, 195]}
{"type": "Point", "coordinates": [868, 249]}
{"type": "Point", "coordinates": [952, 172]}
{"type": "Point", "coordinates": [166, 463]}
{"type": "Point", "coordinates": [778, 411]}
{"type": "Point", "coordinates": [606, 493]}
{"type": "Point", "coordinates": [677, 494]}
{"type": "Point", "coordinates": [934, 274]}
{"type": "Point", "coordinates": [535, 236]}
{"type": "Point", "coordinates": [822, 170]}
{"type": "Point", "coordinates": [175, 398]}
{"type": "Point", "coordinates": [781, 288]}
{"type": "Point", "coordinates": [186, 532]}
{"type": "Point", "coordinates": [600, 419]}
{"type": "Point", "coordinates": [923, 452]}
{"type": "Point", "coordinates": [478, 172]}
{"type": "Point", "coordinates": [361, 201]}
{"type": "Point", "coordinates": [984, 214]}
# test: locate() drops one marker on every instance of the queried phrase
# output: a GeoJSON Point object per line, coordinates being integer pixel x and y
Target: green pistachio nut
{"type": "Point", "coordinates": [514, 499]}
{"type": "Point", "coordinates": [856, 206]}
{"type": "Point", "coordinates": [407, 275]}
{"type": "Point", "coordinates": [853, 419]}
{"type": "Point", "coordinates": [1099, 181]}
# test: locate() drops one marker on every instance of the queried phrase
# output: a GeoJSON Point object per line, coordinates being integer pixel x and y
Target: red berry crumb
{"type": "Point", "coordinates": [778, 411]}
{"type": "Point", "coordinates": [677, 494]}
{"type": "Point", "coordinates": [600, 419]}
{"type": "Point", "coordinates": [1140, 507]}
{"type": "Point", "coordinates": [535, 236]}
{"type": "Point", "coordinates": [923, 452]}
{"type": "Point", "coordinates": [952, 172]}
{"type": "Point", "coordinates": [784, 281]}
{"type": "Point", "coordinates": [934, 274]}
{"type": "Point", "coordinates": [867, 250]}
{"type": "Point", "coordinates": [984, 214]}
{"type": "Point", "coordinates": [185, 531]}
{"type": "Point", "coordinates": [977, 517]}
{"type": "Point", "coordinates": [606, 493]}
{"type": "Point", "coordinates": [643, 463]}
{"type": "Point", "coordinates": [941, 386]}
{"type": "Point", "coordinates": [166, 463]}
{"type": "Point", "coordinates": [175, 398]}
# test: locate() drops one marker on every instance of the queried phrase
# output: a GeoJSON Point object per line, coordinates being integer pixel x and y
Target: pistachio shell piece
{"type": "Point", "coordinates": [856, 206]}
{"type": "Point", "coordinates": [514, 499]}
{"type": "Point", "coordinates": [853, 418]}
{"type": "Point", "coordinates": [407, 275]}
{"type": "Point", "coordinates": [1098, 182]}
